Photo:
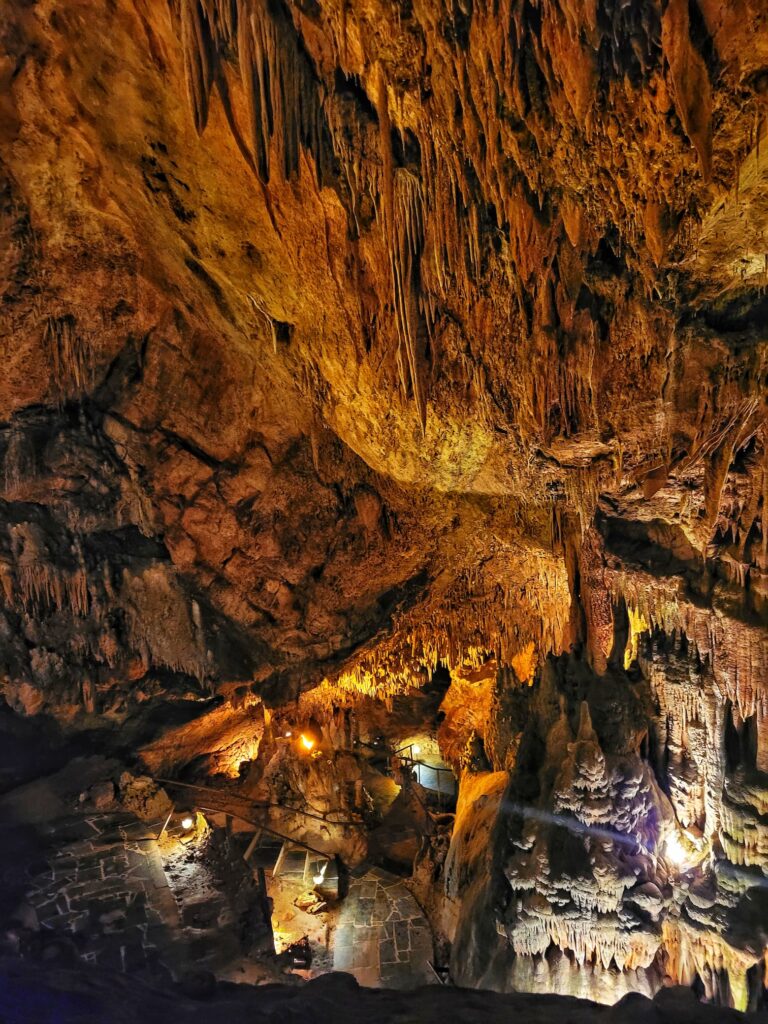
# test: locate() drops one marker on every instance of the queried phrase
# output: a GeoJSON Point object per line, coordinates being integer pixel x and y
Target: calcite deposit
{"type": "Point", "coordinates": [366, 359]}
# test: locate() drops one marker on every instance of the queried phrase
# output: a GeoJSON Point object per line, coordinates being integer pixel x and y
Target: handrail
{"type": "Point", "coordinates": [436, 768]}
{"type": "Point", "coordinates": [260, 804]}
{"type": "Point", "coordinates": [410, 762]}
{"type": "Point", "coordinates": [427, 813]}
{"type": "Point", "coordinates": [442, 974]}
{"type": "Point", "coordinates": [409, 758]}
{"type": "Point", "coordinates": [272, 832]}
{"type": "Point", "coordinates": [375, 747]}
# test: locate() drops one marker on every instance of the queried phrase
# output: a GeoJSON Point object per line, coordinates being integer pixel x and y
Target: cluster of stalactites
{"type": "Point", "coordinates": [693, 952]}
{"type": "Point", "coordinates": [107, 617]}
{"type": "Point", "coordinates": [71, 356]}
{"type": "Point", "coordinates": [737, 651]}
{"type": "Point", "coordinates": [205, 29]}
{"type": "Point", "coordinates": [282, 94]}
{"type": "Point", "coordinates": [476, 620]}
{"type": "Point", "coordinates": [30, 578]}
{"type": "Point", "coordinates": [539, 65]}
{"type": "Point", "coordinates": [697, 702]}
{"type": "Point", "coordinates": [602, 940]}
{"type": "Point", "coordinates": [689, 724]}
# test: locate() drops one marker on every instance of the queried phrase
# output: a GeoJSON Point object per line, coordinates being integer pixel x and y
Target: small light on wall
{"type": "Point", "coordinates": [187, 822]}
{"type": "Point", "coordinates": [288, 734]}
{"type": "Point", "coordinates": [416, 748]}
{"type": "Point", "coordinates": [307, 742]}
{"type": "Point", "coordinates": [675, 852]}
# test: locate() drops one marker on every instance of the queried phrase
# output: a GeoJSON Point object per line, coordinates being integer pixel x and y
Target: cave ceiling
{"type": "Point", "coordinates": [343, 337]}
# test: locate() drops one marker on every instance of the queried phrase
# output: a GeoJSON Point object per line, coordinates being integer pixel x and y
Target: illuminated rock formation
{"type": "Point", "coordinates": [352, 344]}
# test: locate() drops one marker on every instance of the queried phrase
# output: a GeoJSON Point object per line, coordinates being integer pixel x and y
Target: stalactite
{"type": "Point", "coordinates": [7, 581]}
{"type": "Point", "coordinates": [406, 245]}
{"type": "Point", "coordinates": [283, 97]}
{"type": "Point", "coordinates": [737, 651]}
{"type": "Point", "coordinates": [71, 354]}
{"type": "Point", "coordinates": [44, 587]}
{"type": "Point", "coordinates": [19, 464]}
{"type": "Point", "coordinates": [199, 58]}
{"type": "Point", "coordinates": [690, 80]}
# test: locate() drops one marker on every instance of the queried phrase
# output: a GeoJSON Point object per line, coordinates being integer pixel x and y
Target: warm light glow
{"type": "Point", "coordinates": [416, 748]}
{"type": "Point", "coordinates": [524, 663]}
{"type": "Point", "coordinates": [288, 734]}
{"type": "Point", "coordinates": [187, 822]}
{"type": "Point", "coordinates": [638, 625]}
{"type": "Point", "coordinates": [319, 878]}
{"type": "Point", "coordinates": [675, 852]}
{"type": "Point", "coordinates": [307, 742]}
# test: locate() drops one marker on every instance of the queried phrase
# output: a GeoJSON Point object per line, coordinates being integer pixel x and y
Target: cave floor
{"type": "Point", "coordinates": [102, 896]}
{"type": "Point", "coordinates": [103, 890]}
{"type": "Point", "coordinates": [382, 937]}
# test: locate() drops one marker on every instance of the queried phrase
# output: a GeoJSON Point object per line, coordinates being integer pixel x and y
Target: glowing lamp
{"type": "Point", "coordinates": [187, 822]}
{"type": "Point", "coordinates": [675, 851]}
{"type": "Point", "coordinates": [307, 742]}
{"type": "Point", "coordinates": [288, 734]}
{"type": "Point", "coordinates": [416, 748]}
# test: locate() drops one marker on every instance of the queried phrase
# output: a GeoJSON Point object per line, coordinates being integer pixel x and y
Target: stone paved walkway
{"type": "Point", "coordinates": [105, 895]}
{"type": "Point", "coordinates": [382, 936]}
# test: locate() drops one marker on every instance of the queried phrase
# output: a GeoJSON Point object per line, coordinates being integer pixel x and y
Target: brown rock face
{"type": "Point", "coordinates": [344, 339]}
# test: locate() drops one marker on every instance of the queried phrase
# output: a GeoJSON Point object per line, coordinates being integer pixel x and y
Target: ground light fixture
{"type": "Point", "coordinates": [187, 822]}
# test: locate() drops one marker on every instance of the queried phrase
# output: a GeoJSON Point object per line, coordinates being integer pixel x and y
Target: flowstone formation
{"type": "Point", "coordinates": [609, 872]}
{"type": "Point", "coordinates": [356, 347]}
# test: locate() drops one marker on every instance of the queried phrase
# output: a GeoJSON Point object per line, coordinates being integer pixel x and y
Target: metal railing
{"type": "Point", "coordinates": [263, 804]}
{"type": "Point", "coordinates": [445, 779]}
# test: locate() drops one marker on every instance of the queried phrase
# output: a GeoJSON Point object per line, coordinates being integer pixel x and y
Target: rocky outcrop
{"type": "Point", "coordinates": [69, 995]}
